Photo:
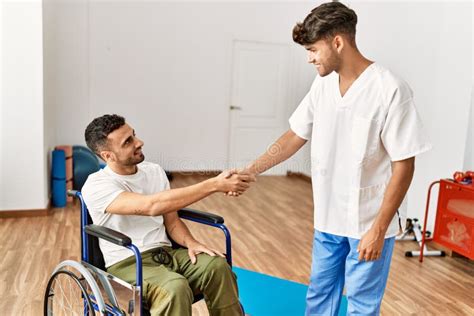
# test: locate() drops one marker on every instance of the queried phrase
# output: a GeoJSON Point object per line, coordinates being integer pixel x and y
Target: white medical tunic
{"type": "Point", "coordinates": [354, 138]}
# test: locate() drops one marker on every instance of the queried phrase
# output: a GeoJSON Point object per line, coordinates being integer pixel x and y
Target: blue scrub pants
{"type": "Point", "coordinates": [335, 264]}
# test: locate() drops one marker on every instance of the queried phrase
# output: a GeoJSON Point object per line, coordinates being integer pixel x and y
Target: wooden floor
{"type": "Point", "coordinates": [271, 226]}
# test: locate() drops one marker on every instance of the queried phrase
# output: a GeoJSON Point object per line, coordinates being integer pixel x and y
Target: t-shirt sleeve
{"type": "Point", "coordinates": [403, 135]}
{"type": "Point", "coordinates": [301, 121]}
{"type": "Point", "coordinates": [163, 177]}
{"type": "Point", "coordinates": [99, 193]}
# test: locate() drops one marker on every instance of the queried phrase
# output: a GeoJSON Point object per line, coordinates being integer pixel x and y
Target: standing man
{"type": "Point", "coordinates": [365, 133]}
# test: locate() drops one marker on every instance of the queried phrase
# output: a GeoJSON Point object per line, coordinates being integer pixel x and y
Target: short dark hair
{"type": "Point", "coordinates": [97, 131]}
{"type": "Point", "coordinates": [324, 22]}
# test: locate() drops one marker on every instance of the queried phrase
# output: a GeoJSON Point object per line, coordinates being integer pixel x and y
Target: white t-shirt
{"type": "Point", "coordinates": [146, 232]}
{"type": "Point", "coordinates": [353, 141]}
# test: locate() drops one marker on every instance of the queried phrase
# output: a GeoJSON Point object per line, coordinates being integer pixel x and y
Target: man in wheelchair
{"type": "Point", "coordinates": [134, 197]}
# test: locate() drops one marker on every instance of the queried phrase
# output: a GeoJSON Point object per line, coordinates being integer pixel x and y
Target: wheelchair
{"type": "Point", "coordinates": [85, 288]}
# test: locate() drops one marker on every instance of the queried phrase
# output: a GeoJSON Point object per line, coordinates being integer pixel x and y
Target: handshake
{"type": "Point", "coordinates": [234, 182]}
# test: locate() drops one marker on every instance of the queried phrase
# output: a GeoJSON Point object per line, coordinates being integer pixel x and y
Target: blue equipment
{"type": "Point", "coordinates": [58, 178]}
{"type": "Point", "coordinates": [85, 162]}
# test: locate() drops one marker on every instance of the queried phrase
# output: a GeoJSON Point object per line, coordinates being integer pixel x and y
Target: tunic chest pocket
{"type": "Point", "coordinates": [365, 138]}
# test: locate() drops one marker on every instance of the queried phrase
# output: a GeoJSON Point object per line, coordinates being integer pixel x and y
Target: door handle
{"type": "Point", "coordinates": [233, 107]}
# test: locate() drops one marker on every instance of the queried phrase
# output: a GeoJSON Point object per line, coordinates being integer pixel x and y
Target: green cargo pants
{"type": "Point", "coordinates": [169, 287]}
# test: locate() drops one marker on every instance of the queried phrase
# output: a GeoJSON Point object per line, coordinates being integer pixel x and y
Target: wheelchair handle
{"type": "Point", "coordinates": [72, 192]}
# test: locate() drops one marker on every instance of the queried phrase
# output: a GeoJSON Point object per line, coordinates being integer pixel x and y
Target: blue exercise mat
{"type": "Point", "coordinates": [264, 295]}
{"type": "Point", "coordinates": [58, 165]}
{"type": "Point", "coordinates": [58, 178]}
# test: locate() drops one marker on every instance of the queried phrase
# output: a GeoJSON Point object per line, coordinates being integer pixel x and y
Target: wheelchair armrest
{"type": "Point", "coordinates": [108, 234]}
{"type": "Point", "coordinates": [191, 214]}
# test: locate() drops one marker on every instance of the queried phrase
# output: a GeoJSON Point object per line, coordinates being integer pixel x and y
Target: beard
{"type": "Point", "coordinates": [323, 70]}
{"type": "Point", "coordinates": [135, 160]}
{"type": "Point", "coordinates": [332, 63]}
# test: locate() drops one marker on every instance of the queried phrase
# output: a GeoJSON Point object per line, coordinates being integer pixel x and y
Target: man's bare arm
{"type": "Point", "coordinates": [285, 147]}
{"type": "Point", "coordinates": [371, 244]}
{"type": "Point", "coordinates": [129, 203]}
{"type": "Point", "coordinates": [177, 230]}
{"type": "Point", "coordinates": [402, 174]}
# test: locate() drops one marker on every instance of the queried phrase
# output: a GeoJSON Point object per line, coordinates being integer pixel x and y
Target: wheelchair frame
{"type": "Point", "coordinates": [85, 267]}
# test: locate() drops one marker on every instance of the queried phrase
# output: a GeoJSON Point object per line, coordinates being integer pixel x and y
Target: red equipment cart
{"type": "Point", "coordinates": [454, 227]}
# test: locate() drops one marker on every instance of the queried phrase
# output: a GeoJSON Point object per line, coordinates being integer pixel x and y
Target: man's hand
{"type": "Point", "coordinates": [245, 172]}
{"type": "Point", "coordinates": [283, 148]}
{"type": "Point", "coordinates": [234, 181]}
{"type": "Point", "coordinates": [195, 248]}
{"type": "Point", "coordinates": [371, 245]}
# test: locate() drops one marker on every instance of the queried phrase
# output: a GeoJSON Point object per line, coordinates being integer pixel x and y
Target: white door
{"type": "Point", "coordinates": [259, 100]}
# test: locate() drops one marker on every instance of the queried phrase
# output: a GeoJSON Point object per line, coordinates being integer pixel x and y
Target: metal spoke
{"type": "Point", "coordinates": [64, 294]}
{"type": "Point", "coordinates": [67, 295]}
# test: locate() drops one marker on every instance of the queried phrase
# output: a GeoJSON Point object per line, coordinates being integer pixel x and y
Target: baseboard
{"type": "Point", "coordinates": [299, 175]}
{"type": "Point", "coordinates": [214, 173]}
{"type": "Point", "coordinates": [211, 173]}
{"type": "Point", "coordinates": [26, 213]}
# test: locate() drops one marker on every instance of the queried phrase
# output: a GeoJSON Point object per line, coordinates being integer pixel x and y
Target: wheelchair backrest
{"type": "Point", "coordinates": [90, 250]}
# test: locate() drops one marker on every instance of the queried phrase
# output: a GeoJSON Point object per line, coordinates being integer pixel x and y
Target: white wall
{"type": "Point", "coordinates": [166, 67]}
{"type": "Point", "coordinates": [469, 156]}
{"type": "Point", "coordinates": [23, 176]}
{"type": "Point", "coordinates": [2, 193]}
{"type": "Point", "coordinates": [49, 108]}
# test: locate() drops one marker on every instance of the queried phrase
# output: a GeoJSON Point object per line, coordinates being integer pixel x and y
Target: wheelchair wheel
{"type": "Point", "coordinates": [66, 295]}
